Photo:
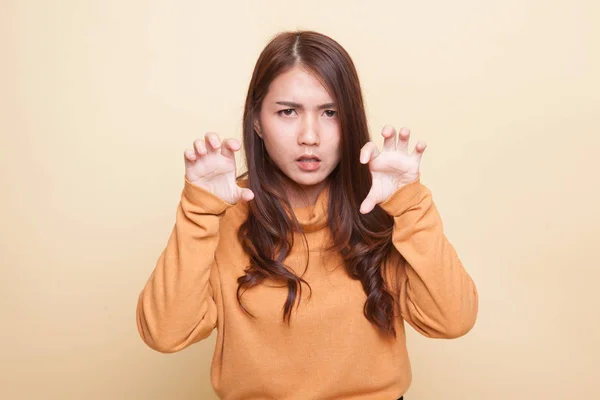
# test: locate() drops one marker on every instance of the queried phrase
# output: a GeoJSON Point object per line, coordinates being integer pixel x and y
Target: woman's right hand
{"type": "Point", "coordinates": [214, 170]}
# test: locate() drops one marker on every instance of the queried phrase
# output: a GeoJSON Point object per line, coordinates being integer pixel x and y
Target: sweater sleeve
{"type": "Point", "coordinates": [436, 294]}
{"type": "Point", "coordinates": [176, 306]}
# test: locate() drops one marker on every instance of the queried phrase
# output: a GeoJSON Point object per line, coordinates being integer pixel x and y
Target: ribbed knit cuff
{"type": "Point", "coordinates": [204, 200]}
{"type": "Point", "coordinates": [403, 198]}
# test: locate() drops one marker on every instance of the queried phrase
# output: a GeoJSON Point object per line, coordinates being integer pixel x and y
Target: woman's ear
{"type": "Point", "coordinates": [257, 128]}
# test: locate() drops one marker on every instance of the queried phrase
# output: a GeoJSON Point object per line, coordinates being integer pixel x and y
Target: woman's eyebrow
{"type": "Point", "coordinates": [298, 105]}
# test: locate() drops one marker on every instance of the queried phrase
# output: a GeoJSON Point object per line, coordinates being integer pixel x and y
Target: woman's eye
{"type": "Point", "coordinates": [286, 112]}
{"type": "Point", "coordinates": [330, 113]}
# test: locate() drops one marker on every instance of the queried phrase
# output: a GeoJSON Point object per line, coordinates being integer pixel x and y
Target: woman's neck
{"type": "Point", "coordinates": [304, 196]}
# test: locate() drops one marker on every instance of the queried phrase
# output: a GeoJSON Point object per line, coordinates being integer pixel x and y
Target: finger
{"type": "Point", "coordinates": [246, 194]}
{"type": "Point", "coordinates": [367, 205]}
{"type": "Point", "coordinates": [419, 149]}
{"type": "Point", "coordinates": [403, 139]}
{"type": "Point", "coordinates": [213, 143]}
{"type": "Point", "coordinates": [200, 148]}
{"type": "Point", "coordinates": [368, 152]}
{"type": "Point", "coordinates": [189, 155]}
{"type": "Point", "coordinates": [229, 146]}
{"type": "Point", "coordinates": [389, 141]}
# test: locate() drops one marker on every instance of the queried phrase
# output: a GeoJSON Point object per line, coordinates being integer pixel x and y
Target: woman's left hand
{"type": "Point", "coordinates": [391, 169]}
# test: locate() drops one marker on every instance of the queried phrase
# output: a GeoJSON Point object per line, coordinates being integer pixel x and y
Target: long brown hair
{"type": "Point", "coordinates": [364, 241]}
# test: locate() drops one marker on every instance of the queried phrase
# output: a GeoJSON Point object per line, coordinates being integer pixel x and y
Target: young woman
{"type": "Point", "coordinates": [310, 263]}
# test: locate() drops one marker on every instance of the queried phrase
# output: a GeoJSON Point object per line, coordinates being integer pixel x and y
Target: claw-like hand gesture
{"type": "Point", "coordinates": [211, 166]}
{"type": "Point", "coordinates": [391, 169]}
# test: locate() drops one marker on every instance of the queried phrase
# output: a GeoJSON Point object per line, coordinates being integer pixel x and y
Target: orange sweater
{"type": "Point", "coordinates": [330, 351]}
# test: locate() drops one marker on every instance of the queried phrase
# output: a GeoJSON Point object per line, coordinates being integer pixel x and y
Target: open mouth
{"type": "Point", "coordinates": [308, 163]}
{"type": "Point", "coordinates": [308, 159]}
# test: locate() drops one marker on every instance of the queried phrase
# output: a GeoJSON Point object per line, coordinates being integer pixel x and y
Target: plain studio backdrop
{"type": "Point", "coordinates": [99, 99]}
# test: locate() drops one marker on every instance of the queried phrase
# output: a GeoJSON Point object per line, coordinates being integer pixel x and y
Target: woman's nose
{"type": "Point", "coordinates": [309, 135]}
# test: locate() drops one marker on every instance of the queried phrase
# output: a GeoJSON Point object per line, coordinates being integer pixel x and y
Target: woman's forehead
{"type": "Point", "coordinates": [298, 86]}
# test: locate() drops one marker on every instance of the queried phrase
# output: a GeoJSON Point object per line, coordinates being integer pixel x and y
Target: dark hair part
{"type": "Point", "coordinates": [364, 241]}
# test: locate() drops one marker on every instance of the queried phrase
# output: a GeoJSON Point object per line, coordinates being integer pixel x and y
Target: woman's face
{"type": "Point", "coordinates": [299, 124]}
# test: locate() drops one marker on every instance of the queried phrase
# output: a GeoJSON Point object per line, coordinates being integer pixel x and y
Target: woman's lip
{"type": "Point", "coordinates": [308, 164]}
{"type": "Point", "coordinates": [308, 158]}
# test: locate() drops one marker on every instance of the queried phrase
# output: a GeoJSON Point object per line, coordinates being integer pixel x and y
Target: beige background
{"type": "Point", "coordinates": [98, 100]}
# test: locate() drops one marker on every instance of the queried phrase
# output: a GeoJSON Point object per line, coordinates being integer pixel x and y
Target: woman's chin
{"type": "Point", "coordinates": [308, 181]}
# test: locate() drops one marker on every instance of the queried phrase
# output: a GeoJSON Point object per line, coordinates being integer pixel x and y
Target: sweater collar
{"type": "Point", "coordinates": [313, 218]}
